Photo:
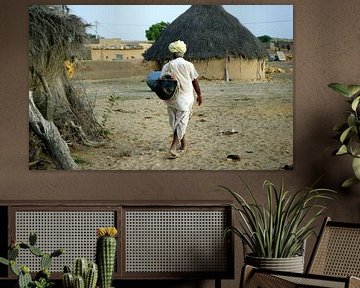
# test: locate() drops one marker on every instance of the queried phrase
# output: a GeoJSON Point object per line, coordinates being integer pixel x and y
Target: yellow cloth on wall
{"type": "Point", "coordinates": [69, 68]}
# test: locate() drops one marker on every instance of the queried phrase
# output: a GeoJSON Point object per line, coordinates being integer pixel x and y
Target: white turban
{"type": "Point", "coordinates": [177, 47]}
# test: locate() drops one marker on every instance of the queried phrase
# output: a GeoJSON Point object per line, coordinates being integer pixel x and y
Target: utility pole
{"type": "Point", "coordinates": [96, 29]}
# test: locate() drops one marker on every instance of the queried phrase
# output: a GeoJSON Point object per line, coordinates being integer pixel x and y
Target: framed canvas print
{"type": "Point", "coordinates": [96, 72]}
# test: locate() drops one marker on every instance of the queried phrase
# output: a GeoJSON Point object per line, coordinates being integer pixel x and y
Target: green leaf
{"type": "Point", "coordinates": [349, 182]}
{"type": "Point", "coordinates": [354, 146]}
{"type": "Point", "coordinates": [4, 261]}
{"type": "Point", "coordinates": [345, 134]}
{"type": "Point", "coordinates": [340, 127]}
{"type": "Point", "coordinates": [356, 167]}
{"type": "Point", "coordinates": [340, 88]}
{"type": "Point", "coordinates": [342, 150]}
{"type": "Point", "coordinates": [351, 120]}
{"type": "Point", "coordinates": [14, 268]}
{"type": "Point", "coordinates": [355, 103]}
{"type": "Point", "coordinates": [353, 89]}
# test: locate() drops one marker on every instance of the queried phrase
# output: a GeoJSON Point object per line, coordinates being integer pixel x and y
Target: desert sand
{"type": "Point", "coordinates": [239, 126]}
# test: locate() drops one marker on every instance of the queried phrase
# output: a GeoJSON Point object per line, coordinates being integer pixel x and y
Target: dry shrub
{"type": "Point", "coordinates": [56, 36]}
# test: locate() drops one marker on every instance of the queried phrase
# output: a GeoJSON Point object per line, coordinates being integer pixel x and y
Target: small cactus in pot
{"type": "Point", "coordinates": [106, 254]}
{"type": "Point", "coordinates": [85, 275]}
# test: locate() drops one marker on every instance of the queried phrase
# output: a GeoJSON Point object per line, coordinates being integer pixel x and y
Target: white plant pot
{"type": "Point", "coordinates": [291, 264]}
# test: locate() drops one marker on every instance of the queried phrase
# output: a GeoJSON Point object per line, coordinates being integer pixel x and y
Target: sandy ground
{"type": "Point", "coordinates": [251, 122]}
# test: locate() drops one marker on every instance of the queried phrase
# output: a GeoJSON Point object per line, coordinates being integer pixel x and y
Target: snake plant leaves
{"type": "Point", "coordinates": [278, 229]}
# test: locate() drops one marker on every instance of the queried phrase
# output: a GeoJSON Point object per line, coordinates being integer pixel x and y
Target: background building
{"type": "Point", "coordinates": [116, 49]}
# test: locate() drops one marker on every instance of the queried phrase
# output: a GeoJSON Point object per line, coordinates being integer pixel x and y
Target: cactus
{"type": "Point", "coordinates": [32, 238]}
{"type": "Point", "coordinates": [4, 261]}
{"type": "Point", "coordinates": [67, 269]}
{"type": "Point", "coordinates": [36, 251]}
{"type": "Point", "coordinates": [14, 268]}
{"type": "Point", "coordinates": [84, 274]}
{"type": "Point", "coordinates": [91, 276]}
{"type": "Point", "coordinates": [24, 278]}
{"type": "Point", "coordinates": [24, 246]}
{"type": "Point", "coordinates": [68, 280]}
{"type": "Point", "coordinates": [80, 267]}
{"type": "Point", "coordinates": [45, 261]}
{"type": "Point", "coordinates": [57, 252]}
{"type": "Point", "coordinates": [44, 273]}
{"type": "Point", "coordinates": [13, 253]}
{"type": "Point", "coordinates": [79, 282]}
{"type": "Point", "coordinates": [106, 254]}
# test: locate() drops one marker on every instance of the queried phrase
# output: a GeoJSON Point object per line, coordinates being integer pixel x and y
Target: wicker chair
{"type": "Point", "coordinates": [335, 262]}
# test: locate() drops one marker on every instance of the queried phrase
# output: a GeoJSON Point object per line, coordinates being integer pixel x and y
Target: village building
{"type": "Point", "coordinates": [217, 43]}
{"type": "Point", "coordinates": [115, 49]}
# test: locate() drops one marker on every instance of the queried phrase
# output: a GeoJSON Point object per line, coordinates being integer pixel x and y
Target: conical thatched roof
{"type": "Point", "coordinates": [209, 32]}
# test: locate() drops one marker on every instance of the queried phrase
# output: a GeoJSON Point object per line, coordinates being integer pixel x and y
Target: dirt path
{"type": "Point", "coordinates": [252, 121]}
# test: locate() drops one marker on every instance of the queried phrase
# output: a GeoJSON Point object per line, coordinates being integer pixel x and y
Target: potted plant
{"type": "Point", "coordinates": [349, 131]}
{"type": "Point", "coordinates": [42, 278]}
{"type": "Point", "coordinates": [106, 254]}
{"type": "Point", "coordinates": [275, 233]}
{"type": "Point", "coordinates": [84, 274]}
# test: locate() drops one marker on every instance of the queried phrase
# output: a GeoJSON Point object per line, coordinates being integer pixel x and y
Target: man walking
{"type": "Point", "coordinates": [180, 105]}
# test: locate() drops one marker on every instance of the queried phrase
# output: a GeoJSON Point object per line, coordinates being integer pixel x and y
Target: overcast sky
{"type": "Point", "coordinates": [129, 22]}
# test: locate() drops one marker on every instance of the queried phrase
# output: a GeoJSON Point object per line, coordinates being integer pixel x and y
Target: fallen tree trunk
{"type": "Point", "coordinates": [50, 135]}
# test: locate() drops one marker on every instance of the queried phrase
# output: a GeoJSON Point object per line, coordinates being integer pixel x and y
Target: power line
{"type": "Point", "coordinates": [146, 25]}
{"type": "Point", "coordinates": [124, 24]}
{"type": "Point", "coordinates": [267, 22]}
{"type": "Point", "coordinates": [101, 26]}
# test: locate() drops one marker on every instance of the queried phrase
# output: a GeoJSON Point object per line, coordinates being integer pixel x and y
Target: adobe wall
{"type": "Point", "coordinates": [238, 69]}
{"type": "Point", "coordinates": [97, 70]}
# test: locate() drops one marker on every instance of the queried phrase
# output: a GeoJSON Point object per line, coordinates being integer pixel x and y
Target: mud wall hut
{"type": "Point", "coordinates": [217, 43]}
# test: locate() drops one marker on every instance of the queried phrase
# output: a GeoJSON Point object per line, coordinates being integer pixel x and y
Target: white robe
{"type": "Point", "coordinates": [180, 105]}
{"type": "Point", "coordinates": [185, 72]}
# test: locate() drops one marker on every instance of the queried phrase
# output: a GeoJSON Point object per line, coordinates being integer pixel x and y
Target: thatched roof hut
{"type": "Point", "coordinates": [218, 44]}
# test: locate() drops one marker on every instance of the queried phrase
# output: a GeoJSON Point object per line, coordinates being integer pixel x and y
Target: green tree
{"type": "Point", "coordinates": [91, 36]}
{"type": "Point", "coordinates": [265, 38]}
{"type": "Point", "coordinates": [155, 30]}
